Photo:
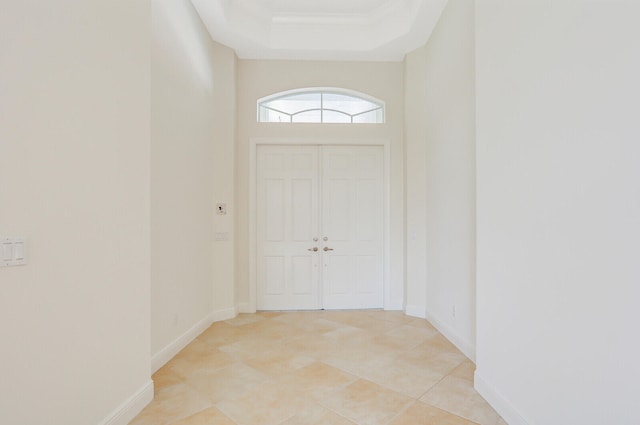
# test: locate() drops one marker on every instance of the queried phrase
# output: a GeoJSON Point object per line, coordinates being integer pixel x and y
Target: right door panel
{"type": "Point", "coordinates": [352, 224]}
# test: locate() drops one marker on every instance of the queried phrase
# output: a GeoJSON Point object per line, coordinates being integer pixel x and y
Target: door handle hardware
{"type": "Point", "coordinates": [314, 249]}
{"type": "Point", "coordinates": [326, 248]}
{"type": "Point", "coordinates": [315, 239]}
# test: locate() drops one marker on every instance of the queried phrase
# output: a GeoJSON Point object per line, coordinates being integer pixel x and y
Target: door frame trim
{"type": "Point", "coordinates": [253, 229]}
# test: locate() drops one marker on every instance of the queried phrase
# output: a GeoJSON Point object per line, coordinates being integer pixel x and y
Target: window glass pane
{"type": "Point", "coordinates": [295, 103]}
{"type": "Point", "coordinates": [308, 116]}
{"type": "Point", "coordinates": [372, 117]}
{"type": "Point", "coordinates": [335, 117]}
{"type": "Point", "coordinates": [268, 115]}
{"type": "Point", "coordinates": [349, 104]}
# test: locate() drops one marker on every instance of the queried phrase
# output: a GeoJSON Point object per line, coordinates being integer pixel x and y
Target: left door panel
{"type": "Point", "coordinates": [287, 215]}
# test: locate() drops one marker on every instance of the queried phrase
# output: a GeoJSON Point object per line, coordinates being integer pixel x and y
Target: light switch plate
{"type": "Point", "coordinates": [13, 251]}
{"type": "Point", "coordinates": [221, 236]}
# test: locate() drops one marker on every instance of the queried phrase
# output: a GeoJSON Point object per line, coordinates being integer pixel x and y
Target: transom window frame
{"type": "Point", "coordinates": [380, 105]}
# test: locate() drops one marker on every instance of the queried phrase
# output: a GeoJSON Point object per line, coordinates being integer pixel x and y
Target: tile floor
{"type": "Point", "coordinates": [318, 368]}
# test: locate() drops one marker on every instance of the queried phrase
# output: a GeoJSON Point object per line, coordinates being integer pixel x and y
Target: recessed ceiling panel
{"type": "Point", "coordinates": [377, 30]}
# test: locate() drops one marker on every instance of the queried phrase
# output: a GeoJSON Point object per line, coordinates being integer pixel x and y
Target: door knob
{"type": "Point", "coordinates": [314, 249]}
{"type": "Point", "coordinates": [326, 248]}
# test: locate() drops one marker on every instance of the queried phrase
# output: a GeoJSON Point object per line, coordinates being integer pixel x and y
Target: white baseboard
{"type": "Point", "coordinates": [467, 349]}
{"type": "Point", "coordinates": [416, 311]}
{"type": "Point", "coordinates": [131, 407]}
{"type": "Point", "coordinates": [393, 308]}
{"type": "Point", "coordinates": [167, 353]}
{"type": "Point", "coordinates": [245, 308]}
{"type": "Point", "coordinates": [499, 403]}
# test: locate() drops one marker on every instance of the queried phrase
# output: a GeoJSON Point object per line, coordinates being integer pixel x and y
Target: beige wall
{"type": "Point", "coordinates": [74, 179]}
{"type": "Point", "coordinates": [192, 168]}
{"type": "Point", "coordinates": [450, 164]}
{"type": "Point", "coordinates": [223, 164]}
{"type": "Point", "coordinates": [440, 167]}
{"type": "Point", "coordinates": [257, 79]}
{"type": "Point", "coordinates": [415, 131]}
{"type": "Point", "coordinates": [558, 210]}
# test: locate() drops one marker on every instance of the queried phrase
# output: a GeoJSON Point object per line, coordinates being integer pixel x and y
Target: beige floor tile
{"type": "Point", "coordinates": [221, 333]}
{"type": "Point", "coordinates": [403, 378]}
{"type": "Point", "coordinates": [457, 396]}
{"type": "Point", "coordinates": [395, 344]}
{"type": "Point", "coordinates": [377, 326]}
{"type": "Point", "coordinates": [346, 317]}
{"type": "Point", "coordinates": [196, 362]}
{"type": "Point", "coordinates": [412, 333]}
{"type": "Point", "coordinates": [165, 377]}
{"type": "Point", "coordinates": [366, 403]}
{"type": "Point", "coordinates": [390, 316]}
{"type": "Point", "coordinates": [349, 336]}
{"type": "Point", "coordinates": [229, 382]}
{"type": "Point", "coordinates": [312, 345]}
{"type": "Point", "coordinates": [362, 321]}
{"type": "Point", "coordinates": [421, 323]}
{"type": "Point", "coordinates": [403, 338]}
{"type": "Point", "coordinates": [211, 416]}
{"type": "Point", "coordinates": [317, 379]}
{"type": "Point", "coordinates": [299, 317]}
{"type": "Point", "coordinates": [278, 362]}
{"type": "Point", "coordinates": [194, 350]}
{"type": "Point", "coordinates": [317, 415]}
{"type": "Point", "coordinates": [424, 414]}
{"type": "Point", "coordinates": [319, 367]}
{"type": "Point", "coordinates": [465, 370]}
{"type": "Point", "coordinates": [358, 361]}
{"type": "Point", "coordinates": [247, 347]}
{"type": "Point", "coordinates": [172, 404]}
{"type": "Point", "coordinates": [244, 319]}
{"type": "Point", "coordinates": [382, 344]}
{"type": "Point", "coordinates": [266, 404]}
{"type": "Point", "coordinates": [318, 326]}
{"type": "Point", "coordinates": [274, 330]}
{"type": "Point", "coordinates": [436, 354]}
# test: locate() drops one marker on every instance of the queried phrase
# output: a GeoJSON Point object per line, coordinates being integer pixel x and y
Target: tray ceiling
{"type": "Point", "coordinates": [377, 30]}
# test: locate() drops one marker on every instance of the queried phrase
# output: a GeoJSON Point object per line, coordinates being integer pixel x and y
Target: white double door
{"type": "Point", "coordinates": [320, 227]}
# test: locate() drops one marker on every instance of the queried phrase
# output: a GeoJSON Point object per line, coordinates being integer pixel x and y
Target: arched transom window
{"type": "Point", "coordinates": [321, 105]}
